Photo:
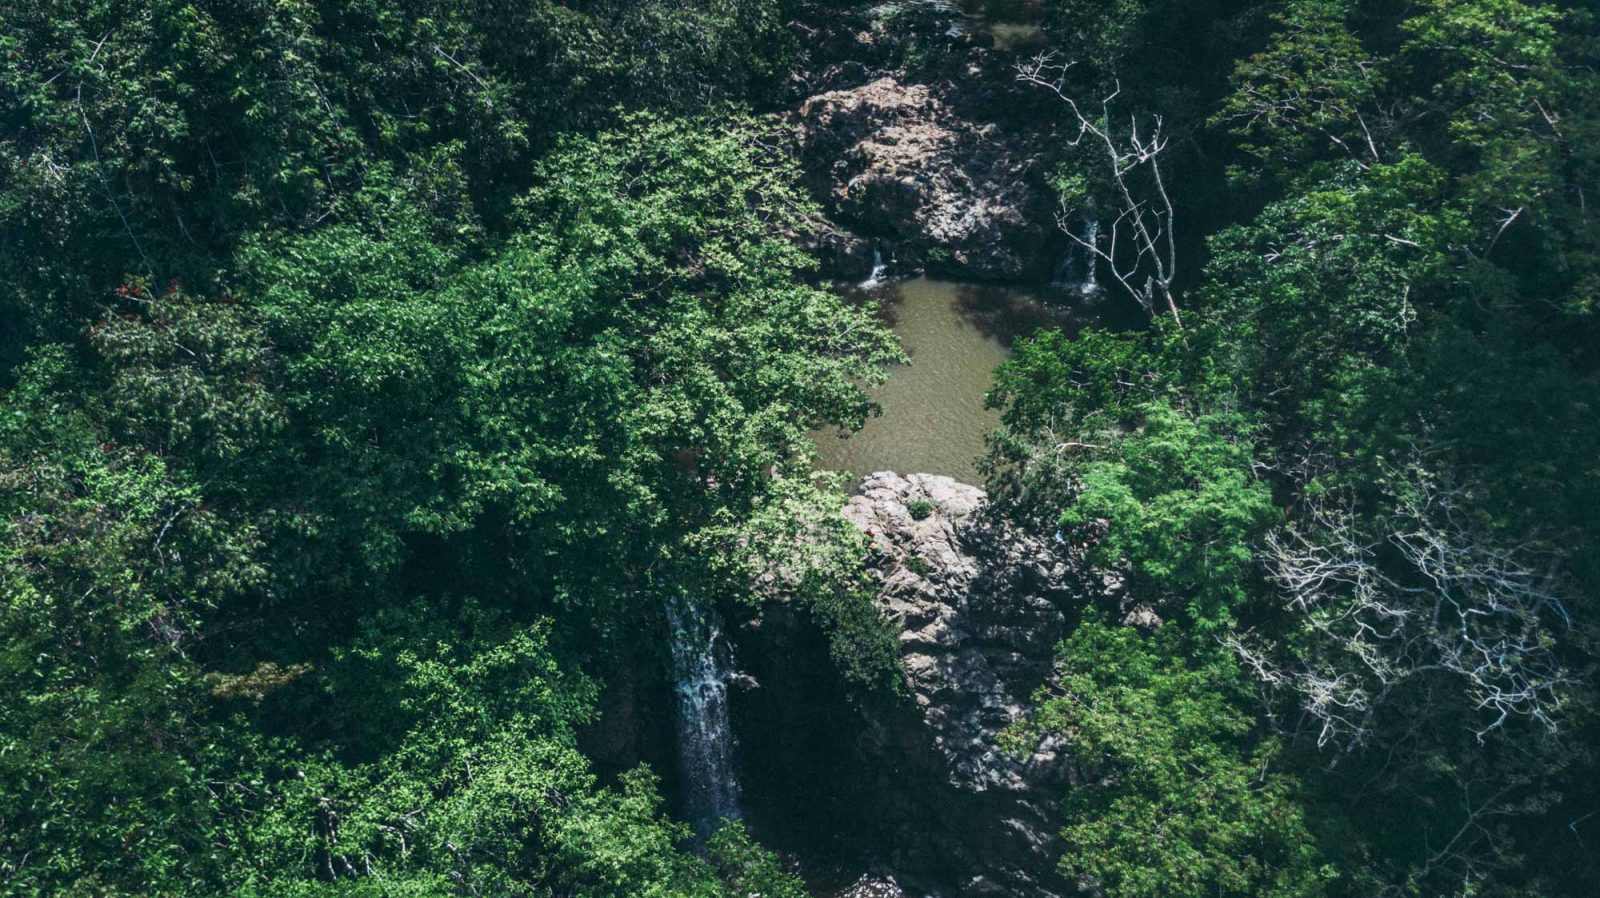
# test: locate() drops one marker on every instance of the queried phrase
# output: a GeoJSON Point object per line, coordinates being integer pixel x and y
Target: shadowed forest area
{"type": "Point", "coordinates": [409, 479]}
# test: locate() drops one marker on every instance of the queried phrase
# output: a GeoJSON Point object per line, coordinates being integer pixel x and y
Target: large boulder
{"type": "Point", "coordinates": [895, 161]}
{"type": "Point", "coordinates": [978, 614]}
{"type": "Point", "coordinates": [922, 786]}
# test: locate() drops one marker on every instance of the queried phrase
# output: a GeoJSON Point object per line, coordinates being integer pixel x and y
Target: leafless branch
{"type": "Point", "coordinates": [1142, 250]}
{"type": "Point", "coordinates": [1428, 594]}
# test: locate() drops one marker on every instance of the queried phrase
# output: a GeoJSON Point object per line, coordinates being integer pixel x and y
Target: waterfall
{"type": "Point", "coordinates": [1091, 235]}
{"type": "Point", "coordinates": [1079, 269]}
{"type": "Point", "coordinates": [876, 277]}
{"type": "Point", "coordinates": [705, 741]}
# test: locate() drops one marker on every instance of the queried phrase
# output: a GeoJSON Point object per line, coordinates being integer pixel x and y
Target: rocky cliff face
{"type": "Point", "coordinates": [938, 805]}
{"type": "Point", "coordinates": [979, 611]}
{"type": "Point", "coordinates": [896, 129]}
{"type": "Point", "coordinates": [978, 616]}
{"type": "Point", "coordinates": [893, 160]}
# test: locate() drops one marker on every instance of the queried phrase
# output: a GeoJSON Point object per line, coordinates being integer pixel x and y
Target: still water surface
{"type": "Point", "coordinates": [933, 418]}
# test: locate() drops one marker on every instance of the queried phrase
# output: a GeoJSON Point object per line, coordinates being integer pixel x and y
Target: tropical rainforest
{"type": "Point", "coordinates": [383, 383]}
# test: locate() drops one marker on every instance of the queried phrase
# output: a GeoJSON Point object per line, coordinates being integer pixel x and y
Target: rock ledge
{"type": "Point", "coordinates": [979, 608]}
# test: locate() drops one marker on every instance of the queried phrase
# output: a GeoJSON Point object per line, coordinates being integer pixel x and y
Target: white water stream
{"type": "Point", "coordinates": [1080, 269]}
{"type": "Point", "coordinates": [705, 740]}
{"type": "Point", "coordinates": [876, 277]}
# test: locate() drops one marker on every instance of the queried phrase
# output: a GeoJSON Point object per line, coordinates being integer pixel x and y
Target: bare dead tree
{"type": "Point", "coordinates": [1442, 598]}
{"type": "Point", "coordinates": [1141, 252]}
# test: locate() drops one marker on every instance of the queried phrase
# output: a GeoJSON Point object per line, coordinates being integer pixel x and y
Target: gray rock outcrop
{"type": "Point", "coordinates": [979, 609]}
{"type": "Point", "coordinates": [978, 614]}
{"type": "Point", "coordinates": [923, 786]}
{"type": "Point", "coordinates": [917, 140]}
{"type": "Point", "coordinates": [893, 159]}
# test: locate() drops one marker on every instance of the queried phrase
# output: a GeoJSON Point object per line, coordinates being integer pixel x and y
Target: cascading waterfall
{"type": "Point", "coordinates": [878, 268]}
{"type": "Point", "coordinates": [1091, 236]}
{"type": "Point", "coordinates": [1079, 269]}
{"type": "Point", "coordinates": [705, 740]}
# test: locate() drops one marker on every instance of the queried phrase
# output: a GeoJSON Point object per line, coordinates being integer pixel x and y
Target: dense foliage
{"type": "Point", "coordinates": [1361, 475]}
{"type": "Point", "coordinates": [151, 138]}
{"type": "Point", "coordinates": [372, 372]}
{"type": "Point", "coordinates": [374, 376]}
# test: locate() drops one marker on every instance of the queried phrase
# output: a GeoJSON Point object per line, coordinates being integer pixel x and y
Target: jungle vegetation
{"type": "Point", "coordinates": [1356, 478]}
{"type": "Point", "coordinates": [372, 372]}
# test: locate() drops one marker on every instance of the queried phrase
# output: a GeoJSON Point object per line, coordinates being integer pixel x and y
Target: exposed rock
{"type": "Point", "coordinates": [840, 253]}
{"type": "Point", "coordinates": [979, 612]}
{"type": "Point", "coordinates": [980, 608]}
{"type": "Point", "coordinates": [894, 159]}
{"type": "Point", "coordinates": [1142, 616]}
{"type": "Point", "coordinates": [873, 887]}
{"type": "Point", "coordinates": [914, 133]}
{"type": "Point", "coordinates": [929, 795]}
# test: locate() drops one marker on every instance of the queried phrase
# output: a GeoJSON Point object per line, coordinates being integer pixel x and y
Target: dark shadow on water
{"type": "Point", "coordinates": [1006, 313]}
{"type": "Point", "coordinates": [934, 419]}
{"type": "Point", "coordinates": [884, 299]}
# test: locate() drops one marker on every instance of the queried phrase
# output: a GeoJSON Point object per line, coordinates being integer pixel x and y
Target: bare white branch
{"type": "Point", "coordinates": [1428, 594]}
{"type": "Point", "coordinates": [1142, 250]}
